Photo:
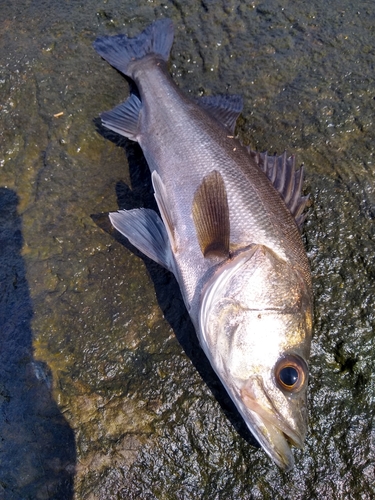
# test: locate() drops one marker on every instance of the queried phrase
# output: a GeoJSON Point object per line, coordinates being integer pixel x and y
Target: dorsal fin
{"type": "Point", "coordinates": [286, 179]}
{"type": "Point", "coordinates": [211, 216]}
{"type": "Point", "coordinates": [224, 108]}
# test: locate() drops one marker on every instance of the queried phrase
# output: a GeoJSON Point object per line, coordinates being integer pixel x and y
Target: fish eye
{"type": "Point", "coordinates": [291, 373]}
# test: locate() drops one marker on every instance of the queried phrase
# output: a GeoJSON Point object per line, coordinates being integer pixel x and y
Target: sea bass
{"type": "Point", "coordinates": [228, 232]}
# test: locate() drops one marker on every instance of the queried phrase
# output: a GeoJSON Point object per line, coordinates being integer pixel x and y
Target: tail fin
{"type": "Point", "coordinates": [120, 51]}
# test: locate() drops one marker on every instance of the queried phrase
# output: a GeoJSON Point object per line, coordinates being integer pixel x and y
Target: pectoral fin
{"type": "Point", "coordinates": [161, 198]}
{"type": "Point", "coordinates": [146, 231]}
{"type": "Point", "coordinates": [211, 216]}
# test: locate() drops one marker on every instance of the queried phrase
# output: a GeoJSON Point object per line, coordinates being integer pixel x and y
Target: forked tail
{"type": "Point", "coordinates": [120, 51]}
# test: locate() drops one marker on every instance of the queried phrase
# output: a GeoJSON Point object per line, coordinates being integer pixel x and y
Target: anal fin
{"type": "Point", "coordinates": [210, 212]}
{"type": "Point", "coordinates": [124, 119]}
{"type": "Point", "coordinates": [145, 231]}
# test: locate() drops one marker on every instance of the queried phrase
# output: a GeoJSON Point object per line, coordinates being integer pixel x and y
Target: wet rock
{"type": "Point", "coordinates": [102, 380]}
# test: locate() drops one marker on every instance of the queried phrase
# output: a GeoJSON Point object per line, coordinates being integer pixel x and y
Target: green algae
{"type": "Point", "coordinates": [112, 341]}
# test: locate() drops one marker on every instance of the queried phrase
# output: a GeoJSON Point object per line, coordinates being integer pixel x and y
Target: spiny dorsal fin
{"type": "Point", "coordinates": [224, 108]}
{"type": "Point", "coordinates": [286, 179]}
{"type": "Point", "coordinates": [211, 216]}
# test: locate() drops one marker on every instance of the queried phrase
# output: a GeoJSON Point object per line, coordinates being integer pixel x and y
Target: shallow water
{"type": "Point", "coordinates": [104, 391]}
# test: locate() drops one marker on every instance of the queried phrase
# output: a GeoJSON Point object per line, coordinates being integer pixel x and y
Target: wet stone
{"type": "Point", "coordinates": [104, 391]}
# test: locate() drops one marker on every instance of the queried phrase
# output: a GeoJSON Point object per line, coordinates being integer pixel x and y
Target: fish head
{"type": "Point", "coordinates": [255, 327]}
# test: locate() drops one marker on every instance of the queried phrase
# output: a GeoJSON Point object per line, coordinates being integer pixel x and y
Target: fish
{"type": "Point", "coordinates": [229, 231]}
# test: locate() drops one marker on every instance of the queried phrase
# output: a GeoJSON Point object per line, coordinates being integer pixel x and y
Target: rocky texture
{"type": "Point", "coordinates": [104, 390]}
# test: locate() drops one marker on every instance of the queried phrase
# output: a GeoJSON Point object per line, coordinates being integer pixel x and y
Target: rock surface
{"type": "Point", "coordinates": [104, 391]}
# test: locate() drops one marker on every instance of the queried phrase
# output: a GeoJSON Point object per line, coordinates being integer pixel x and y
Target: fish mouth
{"type": "Point", "coordinates": [275, 434]}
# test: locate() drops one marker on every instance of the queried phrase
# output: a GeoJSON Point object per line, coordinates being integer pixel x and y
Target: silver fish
{"type": "Point", "coordinates": [229, 233]}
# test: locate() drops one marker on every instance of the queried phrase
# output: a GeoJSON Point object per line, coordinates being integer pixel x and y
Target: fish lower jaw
{"type": "Point", "coordinates": [273, 440]}
{"type": "Point", "coordinates": [272, 418]}
{"type": "Point", "coordinates": [274, 434]}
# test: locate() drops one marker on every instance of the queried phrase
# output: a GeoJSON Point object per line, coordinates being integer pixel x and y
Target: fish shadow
{"type": "Point", "coordinates": [167, 290]}
{"type": "Point", "coordinates": [37, 446]}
